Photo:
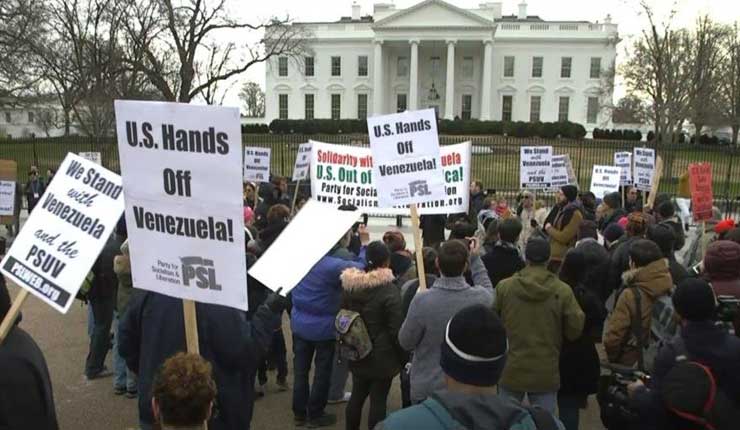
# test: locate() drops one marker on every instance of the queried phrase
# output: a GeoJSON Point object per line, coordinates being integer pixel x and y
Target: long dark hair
{"type": "Point", "coordinates": [573, 270]}
{"type": "Point", "coordinates": [377, 255]}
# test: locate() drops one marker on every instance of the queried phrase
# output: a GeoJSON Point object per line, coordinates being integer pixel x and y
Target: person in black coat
{"type": "Point", "coordinates": [611, 211]}
{"type": "Point", "coordinates": [665, 238]}
{"type": "Point", "coordinates": [503, 259]}
{"type": "Point", "coordinates": [153, 330]}
{"type": "Point", "coordinates": [477, 201]}
{"type": "Point", "coordinates": [35, 188]}
{"type": "Point", "coordinates": [26, 397]}
{"type": "Point", "coordinates": [269, 195]}
{"type": "Point", "coordinates": [432, 229]}
{"type": "Point", "coordinates": [579, 360]}
{"type": "Point", "coordinates": [588, 202]}
{"type": "Point", "coordinates": [665, 214]}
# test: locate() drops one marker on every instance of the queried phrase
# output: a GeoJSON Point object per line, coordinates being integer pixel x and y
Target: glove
{"type": "Point", "coordinates": [533, 223]}
{"type": "Point", "coordinates": [275, 302]}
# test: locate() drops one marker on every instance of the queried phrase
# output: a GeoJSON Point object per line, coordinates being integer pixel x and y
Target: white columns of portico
{"type": "Point", "coordinates": [485, 107]}
{"type": "Point", "coordinates": [414, 75]}
{"type": "Point", "coordinates": [450, 84]}
{"type": "Point", "coordinates": [378, 78]}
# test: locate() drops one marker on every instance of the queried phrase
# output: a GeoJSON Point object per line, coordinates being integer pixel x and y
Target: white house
{"type": "Point", "coordinates": [32, 119]}
{"type": "Point", "coordinates": [466, 63]}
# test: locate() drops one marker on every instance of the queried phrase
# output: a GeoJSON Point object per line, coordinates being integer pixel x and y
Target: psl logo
{"type": "Point", "coordinates": [419, 188]}
{"type": "Point", "coordinates": [201, 271]}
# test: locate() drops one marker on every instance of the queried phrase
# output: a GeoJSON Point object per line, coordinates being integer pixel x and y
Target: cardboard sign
{"type": "Point", "coordinates": [302, 162]}
{"type": "Point", "coordinates": [182, 175]}
{"type": "Point", "coordinates": [535, 167]}
{"type": "Point", "coordinates": [317, 227]}
{"type": "Point", "coordinates": [559, 175]}
{"type": "Point", "coordinates": [702, 198]}
{"type": "Point", "coordinates": [66, 231]}
{"type": "Point", "coordinates": [257, 164]}
{"type": "Point", "coordinates": [406, 164]}
{"type": "Point", "coordinates": [7, 198]}
{"type": "Point", "coordinates": [644, 166]}
{"type": "Point", "coordinates": [92, 156]}
{"type": "Point", "coordinates": [623, 160]}
{"type": "Point", "coordinates": [605, 180]}
{"type": "Point", "coordinates": [8, 172]}
{"type": "Point", "coordinates": [342, 174]}
{"type": "Point", "coordinates": [571, 173]}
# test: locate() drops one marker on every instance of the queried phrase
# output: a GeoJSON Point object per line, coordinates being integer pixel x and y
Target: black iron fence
{"type": "Point", "coordinates": [495, 159]}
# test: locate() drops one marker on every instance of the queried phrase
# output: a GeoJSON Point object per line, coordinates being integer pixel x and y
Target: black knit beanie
{"type": "Point", "coordinates": [613, 200]}
{"type": "Point", "coordinates": [570, 191]}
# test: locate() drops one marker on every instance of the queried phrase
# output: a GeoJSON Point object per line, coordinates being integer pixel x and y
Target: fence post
{"type": "Point", "coordinates": [733, 154]}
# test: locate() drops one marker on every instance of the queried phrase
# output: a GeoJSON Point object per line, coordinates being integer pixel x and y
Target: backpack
{"type": "Point", "coordinates": [663, 327]}
{"type": "Point", "coordinates": [353, 339]}
{"type": "Point", "coordinates": [542, 419]}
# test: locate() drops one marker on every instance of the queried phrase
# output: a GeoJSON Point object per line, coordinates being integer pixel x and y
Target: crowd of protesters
{"type": "Point", "coordinates": [505, 335]}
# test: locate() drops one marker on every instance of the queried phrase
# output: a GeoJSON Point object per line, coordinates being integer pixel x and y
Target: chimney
{"type": "Point", "coordinates": [497, 10]}
{"type": "Point", "coordinates": [608, 19]}
{"type": "Point", "coordinates": [494, 8]}
{"type": "Point", "coordinates": [383, 7]}
{"type": "Point", "coordinates": [355, 11]}
{"type": "Point", "coordinates": [523, 10]}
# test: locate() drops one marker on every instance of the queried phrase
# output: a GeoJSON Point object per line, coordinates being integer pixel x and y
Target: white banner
{"type": "Point", "coordinates": [572, 180]}
{"type": "Point", "coordinates": [257, 164]}
{"type": "Point", "coordinates": [343, 174]}
{"type": "Point", "coordinates": [623, 160]}
{"type": "Point", "coordinates": [7, 198]}
{"type": "Point", "coordinates": [64, 234]}
{"type": "Point", "coordinates": [559, 176]}
{"type": "Point", "coordinates": [182, 172]}
{"type": "Point", "coordinates": [535, 167]}
{"type": "Point", "coordinates": [644, 162]}
{"type": "Point", "coordinates": [92, 156]}
{"type": "Point", "coordinates": [604, 180]}
{"type": "Point", "coordinates": [406, 164]}
{"type": "Point", "coordinates": [302, 162]}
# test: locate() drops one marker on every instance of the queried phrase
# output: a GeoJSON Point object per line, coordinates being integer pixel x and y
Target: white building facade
{"type": "Point", "coordinates": [465, 63]}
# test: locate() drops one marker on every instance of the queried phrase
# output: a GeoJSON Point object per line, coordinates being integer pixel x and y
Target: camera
{"type": "Point", "coordinates": [613, 397]}
{"type": "Point", "coordinates": [728, 309]}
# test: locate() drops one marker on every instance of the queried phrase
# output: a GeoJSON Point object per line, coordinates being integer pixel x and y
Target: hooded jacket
{"type": "Point", "coordinates": [675, 225]}
{"type": "Point", "coordinates": [610, 217]}
{"type": "Point", "coordinates": [538, 310]}
{"type": "Point", "coordinates": [722, 267]}
{"type": "Point", "coordinates": [502, 261]}
{"type": "Point", "coordinates": [267, 193]}
{"type": "Point", "coordinates": [652, 281]}
{"type": "Point", "coordinates": [378, 301]}
{"type": "Point", "coordinates": [564, 230]}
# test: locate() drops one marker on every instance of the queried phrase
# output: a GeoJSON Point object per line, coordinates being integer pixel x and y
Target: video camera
{"type": "Point", "coordinates": [613, 397]}
{"type": "Point", "coordinates": [728, 309]}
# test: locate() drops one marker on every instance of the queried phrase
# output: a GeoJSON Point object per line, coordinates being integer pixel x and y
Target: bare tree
{"type": "Point", "coordinates": [46, 119]}
{"type": "Point", "coordinates": [729, 82]}
{"type": "Point", "coordinates": [630, 110]}
{"type": "Point", "coordinates": [18, 21]}
{"type": "Point", "coordinates": [254, 99]}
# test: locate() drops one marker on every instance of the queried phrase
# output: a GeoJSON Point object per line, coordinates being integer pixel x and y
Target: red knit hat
{"type": "Point", "coordinates": [724, 226]}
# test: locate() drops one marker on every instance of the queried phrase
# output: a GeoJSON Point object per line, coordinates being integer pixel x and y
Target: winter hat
{"type": "Point", "coordinates": [722, 260]}
{"type": "Point", "coordinates": [613, 232]}
{"type": "Point", "coordinates": [724, 226]}
{"type": "Point", "coordinates": [537, 250]}
{"type": "Point", "coordinates": [587, 228]}
{"type": "Point", "coordinates": [663, 236]}
{"type": "Point", "coordinates": [376, 254]}
{"type": "Point", "coordinates": [570, 191]}
{"type": "Point", "coordinates": [475, 346]}
{"type": "Point", "coordinates": [248, 214]}
{"type": "Point", "coordinates": [613, 200]}
{"type": "Point", "coordinates": [694, 299]}
{"type": "Point", "coordinates": [394, 240]}
{"type": "Point", "coordinates": [622, 222]}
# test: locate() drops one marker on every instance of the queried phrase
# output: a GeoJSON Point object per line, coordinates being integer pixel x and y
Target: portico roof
{"type": "Point", "coordinates": [434, 14]}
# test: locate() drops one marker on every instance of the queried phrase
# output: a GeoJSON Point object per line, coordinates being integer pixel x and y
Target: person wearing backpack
{"type": "Point", "coordinates": [473, 353]}
{"type": "Point", "coordinates": [376, 302]}
{"type": "Point", "coordinates": [699, 340]}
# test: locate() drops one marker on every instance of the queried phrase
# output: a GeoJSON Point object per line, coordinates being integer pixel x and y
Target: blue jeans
{"type": "Point", "coordinates": [122, 377]}
{"type": "Point", "coordinates": [102, 309]}
{"type": "Point", "coordinates": [546, 401]}
{"type": "Point", "coordinates": [310, 401]}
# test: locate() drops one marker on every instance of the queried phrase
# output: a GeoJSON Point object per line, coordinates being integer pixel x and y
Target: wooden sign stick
{"type": "Point", "coordinates": [295, 196]}
{"type": "Point", "coordinates": [418, 247]}
{"type": "Point", "coordinates": [191, 326]}
{"type": "Point", "coordinates": [12, 314]}
{"type": "Point", "coordinates": [657, 173]}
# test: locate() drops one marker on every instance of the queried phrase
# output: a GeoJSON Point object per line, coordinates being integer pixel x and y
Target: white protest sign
{"type": "Point", "coordinates": [7, 198]}
{"type": "Point", "coordinates": [644, 163]}
{"type": "Point", "coordinates": [559, 176]}
{"type": "Point", "coordinates": [406, 164]}
{"type": "Point", "coordinates": [257, 164]}
{"type": "Point", "coordinates": [302, 162]}
{"type": "Point", "coordinates": [317, 227]}
{"type": "Point", "coordinates": [182, 172]}
{"type": "Point", "coordinates": [92, 156]}
{"type": "Point", "coordinates": [571, 173]}
{"type": "Point", "coordinates": [604, 180]}
{"type": "Point", "coordinates": [623, 160]}
{"type": "Point", "coordinates": [535, 167]}
{"type": "Point", "coordinates": [343, 174]}
{"type": "Point", "coordinates": [64, 234]}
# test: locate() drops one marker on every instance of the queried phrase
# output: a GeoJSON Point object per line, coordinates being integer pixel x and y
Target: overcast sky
{"type": "Point", "coordinates": [626, 13]}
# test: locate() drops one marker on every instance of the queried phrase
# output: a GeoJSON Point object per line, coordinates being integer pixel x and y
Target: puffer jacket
{"type": "Point", "coordinates": [722, 267]}
{"type": "Point", "coordinates": [652, 281]}
{"type": "Point", "coordinates": [378, 301]}
{"type": "Point", "coordinates": [564, 230]}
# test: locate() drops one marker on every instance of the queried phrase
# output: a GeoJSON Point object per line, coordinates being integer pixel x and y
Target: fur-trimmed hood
{"type": "Point", "coordinates": [654, 279]}
{"type": "Point", "coordinates": [354, 279]}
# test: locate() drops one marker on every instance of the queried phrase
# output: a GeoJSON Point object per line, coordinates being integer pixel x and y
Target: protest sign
{"type": "Point", "coordinates": [572, 180]}
{"type": "Point", "coordinates": [644, 167]}
{"type": "Point", "coordinates": [406, 160]}
{"type": "Point", "coordinates": [9, 172]}
{"type": "Point", "coordinates": [605, 180]}
{"type": "Point", "coordinates": [257, 164]}
{"type": "Point", "coordinates": [560, 175]}
{"type": "Point", "coordinates": [623, 160]}
{"type": "Point", "coordinates": [182, 175]}
{"type": "Point", "coordinates": [92, 156]}
{"type": "Point", "coordinates": [7, 198]}
{"type": "Point", "coordinates": [535, 167]}
{"type": "Point", "coordinates": [342, 174]}
{"type": "Point", "coordinates": [702, 199]}
{"type": "Point", "coordinates": [302, 162]}
{"type": "Point", "coordinates": [317, 227]}
{"type": "Point", "coordinates": [64, 234]}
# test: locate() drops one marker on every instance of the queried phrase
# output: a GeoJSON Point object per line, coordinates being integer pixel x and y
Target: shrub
{"type": "Point", "coordinates": [616, 134]}
{"type": "Point", "coordinates": [255, 128]}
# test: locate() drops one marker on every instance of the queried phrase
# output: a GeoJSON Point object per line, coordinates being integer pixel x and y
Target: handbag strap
{"type": "Point", "coordinates": [637, 329]}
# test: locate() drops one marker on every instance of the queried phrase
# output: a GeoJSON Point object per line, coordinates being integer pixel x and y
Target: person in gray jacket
{"type": "Point", "coordinates": [423, 330]}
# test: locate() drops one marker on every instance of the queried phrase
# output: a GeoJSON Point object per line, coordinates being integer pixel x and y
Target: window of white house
{"type": "Point", "coordinates": [308, 99]}
{"type": "Point", "coordinates": [563, 106]}
{"type": "Point", "coordinates": [467, 67]}
{"type": "Point", "coordinates": [282, 66]}
{"type": "Point", "coordinates": [467, 106]}
{"type": "Point", "coordinates": [506, 108]}
{"type": "Point", "coordinates": [362, 65]}
{"type": "Point", "coordinates": [565, 66]}
{"type": "Point", "coordinates": [534, 108]}
{"type": "Point", "coordinates": [361, 106]}
{"type": "Point", "coordinates": [283, 106]}
{"type": "Point", "coordinates": [336, 66]}
{"type": "Point", "coordinates": [536, 67]}
{"type": "Point", "coordinates": [336, 106]}
{"type": "Point", "coordinates": [30, 117]}
{"type": "Point", "coordinates": [595, 70]}
{"type": "Point", "coordinates": [309, 66]}
{"type": "Point", "coordinates": [402, 67]}
{"type": "Point", "coordinates": [508, 67]}
{"type": "Point", "coordinates": [401, 102]}
{"type": "Point", "coordinates": [435, 66]}
{"type": "Point", "coordinates": [592, 110]}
